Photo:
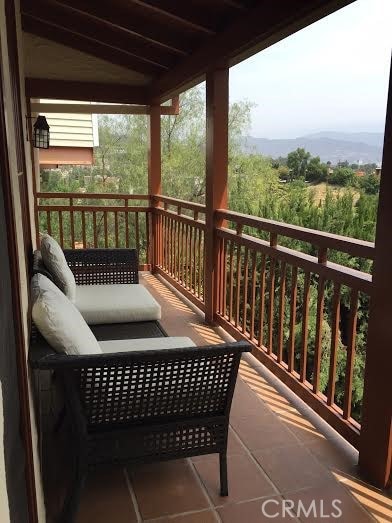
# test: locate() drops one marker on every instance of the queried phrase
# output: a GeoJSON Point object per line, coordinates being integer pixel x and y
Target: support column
{"type": "Point", "coordinates": [154, 181]}
{"type": "Point", "coordinates": [217, 116]}
{"type": "Point", "coordinates": [375, 454]}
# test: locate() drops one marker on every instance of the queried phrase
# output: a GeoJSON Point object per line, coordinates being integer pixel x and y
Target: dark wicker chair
{"type": "Point", "coordinates": [145, 406]}
{"type": "Point", "coordinates": [138, 407]}
{"type": "Point", "coordinates": [97, 266]}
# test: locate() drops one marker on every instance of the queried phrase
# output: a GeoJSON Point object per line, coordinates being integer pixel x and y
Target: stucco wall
{"type": "Point", "coordinates": [18, 221]}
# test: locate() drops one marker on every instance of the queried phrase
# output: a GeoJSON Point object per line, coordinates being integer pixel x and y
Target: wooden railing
{"type": "Point", "coordinates": [298, 295]}
{"type": "Point", "coordinates": [288, 303]}
{"type": "Point", "coordinates": [180, 230]}
{"type": "Point", "coordinates": [82, 220]}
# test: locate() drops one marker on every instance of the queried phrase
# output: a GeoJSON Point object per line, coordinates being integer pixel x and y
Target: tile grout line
{"type": "Point", "coordinates": [177, 515]}
{"type": "Point", "coordinates": [303, 444]}
{"type": "Point", "coordinates": [133, 496]}
{"type": "Point", "coordinates": [204, 489]}
{"type": "Point", "coordinates": [254, 460]}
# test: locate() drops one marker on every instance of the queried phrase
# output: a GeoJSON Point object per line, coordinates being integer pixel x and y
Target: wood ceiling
{"type": "Point", "coordinates": [173, 42]}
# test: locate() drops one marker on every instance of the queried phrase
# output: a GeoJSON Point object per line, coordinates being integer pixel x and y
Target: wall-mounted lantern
{"type": "Point", "coordinates": [40, 136]}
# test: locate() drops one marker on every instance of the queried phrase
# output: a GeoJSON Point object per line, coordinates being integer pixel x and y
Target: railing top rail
{"type": "Point", "coordinates": [94, 208]}
{"type": "Point", "coordinates": [181, 203]}
{"type": "Point", "coordinates": [332, 271]}
{"type": "Point", "coordinates": [353, 246]}
{"type": "Point", "coordinates": [92, 196]}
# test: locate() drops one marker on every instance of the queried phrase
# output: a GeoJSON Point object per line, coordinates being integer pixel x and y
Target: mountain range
{"type": "Point", "coordinates": [331, 146]}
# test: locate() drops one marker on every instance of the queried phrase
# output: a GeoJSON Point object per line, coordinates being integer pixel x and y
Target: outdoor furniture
{"type": "Point", "coordinates": [107, 285]}
{"type": "Point", "coordinates": [144, 406]}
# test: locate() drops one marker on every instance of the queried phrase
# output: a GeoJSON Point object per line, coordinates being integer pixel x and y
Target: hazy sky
{"type": "Point", "coordinates": [333, 75]}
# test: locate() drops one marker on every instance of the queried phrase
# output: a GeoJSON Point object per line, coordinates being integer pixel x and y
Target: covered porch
{"type": "Point", "coordinates": [279, 450]}
{"type": "Point", "coordinates": [218, 274]}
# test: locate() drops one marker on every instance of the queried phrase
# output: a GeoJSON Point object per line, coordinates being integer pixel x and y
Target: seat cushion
{"type": "Point", "coordinates": [174, 342]}
{"type": "Point", "coordinates": [54, 260]}
{"type": "Point", "coordinates": [59, 321]}
{"type": "Point", "coordinates": [117, 303]}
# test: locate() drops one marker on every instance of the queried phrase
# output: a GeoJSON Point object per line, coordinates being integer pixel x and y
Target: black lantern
{"type": "Point", "coordinates": [41, 133]}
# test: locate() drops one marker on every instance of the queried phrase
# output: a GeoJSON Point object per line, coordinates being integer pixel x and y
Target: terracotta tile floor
{"type": "Point", "coordinates": [278, 454]}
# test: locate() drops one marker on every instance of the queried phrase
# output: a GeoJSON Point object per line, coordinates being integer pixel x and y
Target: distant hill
{"type": "Point", "coordinates": [329, 145]}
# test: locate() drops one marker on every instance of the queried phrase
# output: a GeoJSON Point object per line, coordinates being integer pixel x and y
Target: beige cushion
{"type": "Point", "coordinates": [59, 321]}
{"type": "Point", "coordinates": [173, 342]}
{"type": "Point", "coordinates": [54, 260]}
{"type": "Point", "coordinates": [117, 303]}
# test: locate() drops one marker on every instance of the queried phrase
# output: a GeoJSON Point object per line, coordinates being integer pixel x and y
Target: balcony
{"type": "Point", "coordinates": [279, 447]}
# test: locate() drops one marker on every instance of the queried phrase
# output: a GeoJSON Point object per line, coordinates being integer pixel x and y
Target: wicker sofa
{"type": "Point", "coordinates": [103, 278]}
{"type": "Point", "coordinates": [143, 405]}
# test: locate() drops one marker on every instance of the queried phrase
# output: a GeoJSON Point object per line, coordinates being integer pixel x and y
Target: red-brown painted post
{"type": "Point", "coordinates": [375, 453]}
{"type": "Point", "coordinates": [154, 180]}
{"type": "Point", "coordinates": [217, 115]}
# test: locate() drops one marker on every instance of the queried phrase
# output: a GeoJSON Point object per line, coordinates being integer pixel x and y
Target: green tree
{"type": "Point", "coordinates": [370, 184]}
{"type": "Point", "coordinates": [316, 171]}
{"type": "Point", "coordinates": [343, 176]}
{"type": "Point", "coordinates": [297, 162]}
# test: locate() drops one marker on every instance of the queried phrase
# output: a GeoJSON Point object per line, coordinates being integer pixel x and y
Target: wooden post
{"type": "Point", "coordinates": [217, 113]}
{"type": "Point", "coordinates": [375, 453]}
{"type": "Point", "coordinates": [154, 180]}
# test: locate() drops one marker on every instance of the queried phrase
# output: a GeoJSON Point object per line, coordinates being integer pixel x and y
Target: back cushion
{"type": "Point", "coordinates": [54, 260]}
{"type": "Point", "coordinates": [59, 321]}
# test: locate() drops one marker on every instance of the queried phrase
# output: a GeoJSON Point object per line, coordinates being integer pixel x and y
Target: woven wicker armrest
{"type": "Point", "coordinates": [103, 266]}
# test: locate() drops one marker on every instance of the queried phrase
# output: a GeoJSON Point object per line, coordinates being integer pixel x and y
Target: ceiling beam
{"type": "Point", "coordinates": [62, 36]}
{"type": "Point", "coordinates": [85, 91]}
{"type": "Point", "coordinates": [254, 30]}
{"type": "Point", "coordinates": [135, 24]}
{"type": "Point", "coordinates": [176, 14]}
{"type": "Point", "coordinates": [62, 108]}
{"type": "Point", "coordinates": [97, 32]}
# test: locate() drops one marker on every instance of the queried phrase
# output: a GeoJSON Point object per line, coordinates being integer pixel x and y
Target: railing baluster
{"type": "Point", "coordinates": [334, 344]}
{"type": "Point", "coordinates": [262, 300]}
{"type": "Point", "coordinates": [305, 326]}
{"type": "Point", "coordinates": [350, 361]}
{"type": "Point", "coordinates": [148, 246]}
{"type": "Point", "coordinates": [137, 231]}
{"type": "Point", "coordinates": [319, 335]}
{"type": "Point", "coordinates": [61, 229]}
{"type": "Point", "coordinates": [191, 230]}
{"type": "Point", "coordinates": [224, 289]}
{"type": "Point", "coordinates": [95, 230]}
{"type": "Point", "coordinates": [238, 286]}
{"type": "Point", "coordinates": [126, 217]}
{"type": "Point", "coordinates": [105, 227]}
{"type": "Point", "coordinates": [178, 251]}
{"type": "Point", "coordinates": [200, 264]}
{"type": "Point", "coordinates": [293, 311]}
{"type": "Point", "coordinates": [282, 296]}
{"type": "Point", "coordinates": [271, 303]}
{"type": "Point", "coordinates": [172, 247]}
{"type": "Point", "coordinates": [48, 223]}
{"type": "Point", "coordinates": [186, 237]}
{"type": "Point", "coordinates": [245, 286]}
{"type": "Point", "coordinates": [71, 216]}
{"type": "Point", "coordinates": [84, 240]}
{"type": "Point", "coordinates": [253, 297]}
{"type": "Point", "coordinates": [231, 282]}
{"type": "Point", "coordinates": [116, 239]}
